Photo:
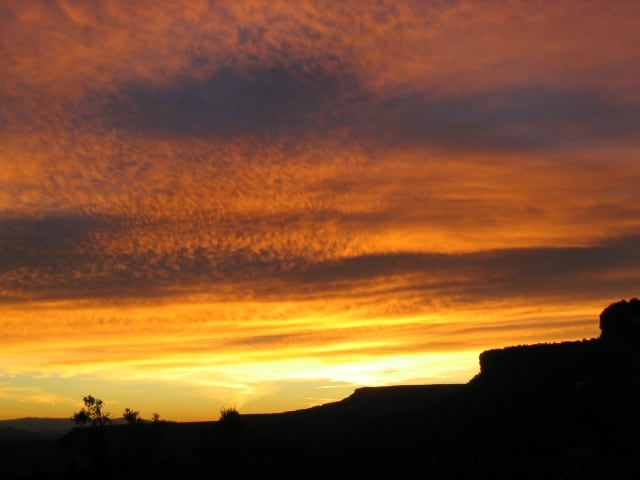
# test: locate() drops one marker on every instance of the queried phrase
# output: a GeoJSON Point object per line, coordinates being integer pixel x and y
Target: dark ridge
{"type": "Point", "coordinates": [10, 434]}
{"type": "Point", "coordinates": [49, 426]}
{"type": "Point", "coordinates": [354, 413]}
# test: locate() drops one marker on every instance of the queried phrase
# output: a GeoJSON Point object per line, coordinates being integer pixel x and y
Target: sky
{"type": "Point", "coordinates": [267, 204]}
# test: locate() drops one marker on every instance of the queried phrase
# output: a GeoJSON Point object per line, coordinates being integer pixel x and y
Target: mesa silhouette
{"type": "Point", "coordinates": [557, 410]}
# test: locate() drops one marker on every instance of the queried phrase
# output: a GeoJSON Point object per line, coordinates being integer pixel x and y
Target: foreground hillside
{"type": "Point", "coordinates": [557, 411]}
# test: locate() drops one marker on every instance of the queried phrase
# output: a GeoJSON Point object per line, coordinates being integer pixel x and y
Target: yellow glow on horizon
{"type": "Point", "coordinates": [237, 352]}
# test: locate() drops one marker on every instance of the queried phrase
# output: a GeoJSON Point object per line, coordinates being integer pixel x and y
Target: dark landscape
{"type": "Point", "coordinates": [556, 411]}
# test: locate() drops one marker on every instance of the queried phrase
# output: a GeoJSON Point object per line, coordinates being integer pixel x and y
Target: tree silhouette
{"type": "Point", "coordinates": [131, 416]}
{"type": "Point", "coordinates": [93, 445]}
{"type": "Point", "coordinates": [92, 413]}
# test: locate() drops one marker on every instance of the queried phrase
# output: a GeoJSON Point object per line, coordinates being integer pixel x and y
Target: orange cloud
{"type": "Point", "coordinates": [311, 191]}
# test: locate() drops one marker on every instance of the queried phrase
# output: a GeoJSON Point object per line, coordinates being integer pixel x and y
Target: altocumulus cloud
{"type": "Point", "coordinates": [57, 255]}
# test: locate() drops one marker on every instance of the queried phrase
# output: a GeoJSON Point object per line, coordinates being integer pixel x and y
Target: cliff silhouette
{"type": "Point", "coordinates": [557, 410]}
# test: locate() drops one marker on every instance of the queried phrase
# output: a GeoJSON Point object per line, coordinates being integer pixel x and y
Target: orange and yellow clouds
{"type": "Point", "coordinates": [349, 193]}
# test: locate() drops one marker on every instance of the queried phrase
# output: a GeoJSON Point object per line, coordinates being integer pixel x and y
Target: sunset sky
{"type": "Point", "coordinates": [267, 204]}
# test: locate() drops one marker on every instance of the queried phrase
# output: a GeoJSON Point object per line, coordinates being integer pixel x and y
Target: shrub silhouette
{"type": "Point", "coordinates": [131, 416]}
{"type": "Point", "coordinates": [230, 425]}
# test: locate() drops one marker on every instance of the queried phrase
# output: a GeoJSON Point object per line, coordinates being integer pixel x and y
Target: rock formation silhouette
{"type": "Point", "coordinates": [620, 322]}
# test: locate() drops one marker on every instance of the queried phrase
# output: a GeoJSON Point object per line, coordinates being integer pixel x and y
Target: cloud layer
{"type": "Point", "coordinates": [308, 190]}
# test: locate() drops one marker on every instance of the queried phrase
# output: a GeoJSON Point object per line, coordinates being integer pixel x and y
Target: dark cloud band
{"type": "Point", "coordinates": [42, 256]}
